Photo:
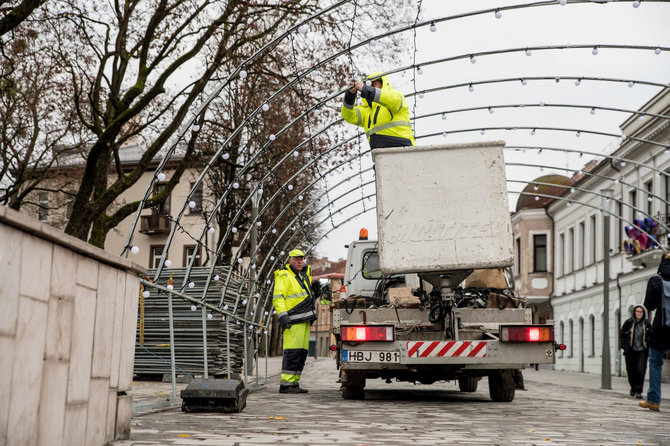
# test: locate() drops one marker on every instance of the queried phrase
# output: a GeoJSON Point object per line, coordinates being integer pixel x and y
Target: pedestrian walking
{"type": "Point", "coordinates": [293, 299]}
{"type": "Point", "coordinates": [658, 298]}
{"type": "Point", "coordinates": [633, 340]}
{"type": "Point", "coordinates": [384, 113]}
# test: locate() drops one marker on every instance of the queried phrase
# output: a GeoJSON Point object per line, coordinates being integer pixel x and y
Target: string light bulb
{"type": "Point", "coordinates": [444, 134]}
{"type": "Point", "coordinates": [578, 134]}
{"type": "Point", "coordinates": [191, 284]}
{"type": "Point", "coordinates": [209, 315]}
{"type": "Point", "coordinates": [289, 187]}
{"type": "Point", "coordinates": [272, 258]}
{"type": "Point", "coordinates": [225, 307]}
{"type": "Point", "coordinates": [578, 82]}
{"type": "Point", "coordinates": [528, 52]}
{"type": "Point", "coordinates": [216, 278]}
{"type": "Point", "coordinates": [272, 137]}
{"type": "Point", "coordinates": [630, 84]}
{"type": "Point", "coordinates": [491, 110]}
{"type": "Point", "coordinates": [572, 190]}
{"type": "Point", "coordinates": [296, 154]}
{"type": "Point", "coordinates": [636, 4]}
{"type": "Point", "coordinates": [419, 71]}
{"type": "Point", "coordinates": [524, 82]}
{"type": "Point", "coordinates": [195, 128]}
{"type": "Point", "coordinates": [274, 230]}
{"type": "Point", "coordinates": [473, 59]}
{"type": "Point", "coordinates": [193, 308]}
{"type": "Point", "coordinates": [146, 294]}
{"type": "Point", "coordinates": [191, 204]}
{"type": "Point", "coordinates": [134, 249]}
{"type": "Point", "coordinates": [373, 43]}
{"type": "Point", "coordinates": [562, 2]}
{"type": "Point", "coordinates": [170, 287]}
{"type": "Point", "coordinates": [581, 155]}
{"type": "Point", "coordinates": [300, 197]}
{"type": "Point", "coordinates": [240, 261]}
{"type": "Point", "coordinates": [482, 132]}
{"type": "Point", "coordinates": [225, 156]}
{"type": "Point", "coordinates": [498, 14]}
{"type": "Point", "coordinates": [302, 29]}
{"type": "Point", "coordinates": [532, 132]}
{"type": "Point", "coordinates": [233, 230]}
{"type": "Point", "coordinates": [258, 223]}
{"type": "Point", "coordinates": [211, 230]}
{"type": "Point", "coordinates": [168, 263]}
{"type": "Point", "coordinates": [471, 88]}
{"type": "Point", "coordinates": [161, 176]}
{"type": "Point", "coordinates": [243, 74]}
{"type": "Point", "coordinates": [594, 51]}
{"type": "Point", "coordinates": [421, 94]}
{"type": "Point", "coordinates": [433, 28]}
{"type": "Point", "coordinates": [657, 51]}
{"type": "Point", "coordinates": [266, 107]}
{"type": "Point", "coordinates": [593, 110]}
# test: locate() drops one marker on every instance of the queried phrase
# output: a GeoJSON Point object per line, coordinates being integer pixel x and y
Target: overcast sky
{"type": "Point", "coordinates": [574, 24]}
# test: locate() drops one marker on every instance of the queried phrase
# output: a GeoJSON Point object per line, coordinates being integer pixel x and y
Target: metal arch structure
{"type": "Point", "coordinates": [262, 282]}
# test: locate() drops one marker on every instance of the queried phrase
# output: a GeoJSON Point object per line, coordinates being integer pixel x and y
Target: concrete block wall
{"type": "Point", "coordinates": [68, 315]}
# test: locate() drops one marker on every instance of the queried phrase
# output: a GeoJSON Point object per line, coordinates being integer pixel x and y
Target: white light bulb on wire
{"type": "Point", "coordinates": [253, 266]}
{"type": "Point", "coordinates": [535, 187]}
{"type": "Point", "coordinates": [302, 29]}
{"type": "Point", "coordinates": [316, 112]}
{"type": "Point", "coordinates": [528, 52]}
{"type": "Point", "coordinates": [578, 134]}
{"type": "Point", "coordinates": [498, 14]}
{"type": "Point", "coordinates": [225, 307]}
{"type": "Point", "coordinates": [191, 204]}
{"type": "Point", "coordinates": [240, 261]}
{"type": "Point", "coordinates": [444, 134]}
{"type": "Point", "coordinates": [211, 230]}
{"type": "Point", "coordinates": [532, 132]}
{"type": "Point", "coordinates": [300, 197]}
{"type": "Point", "coordinates": [195, 128]}
{"type": "Point", "coordinates": [581, 155]}
{"type": "Point", "coordinates": [562, 2]}
{"type": "Point", "coordinates": [289, 187]}
{"type": "Point", "coordinates": [225, 156]}
{"type": "Point", "coordinates": [191, 284]}
{"type": "Point", "coordinates": [233, 230]}
{"type": "Point", "coordinates": [161, 176]}
{"type": "Point", "coordinates": [243, 74]}
{"type": "Point", "coordinates": [266, 107]}
{"type": "Point", "coordinates": [444, 116]}
{"type": "Point", "coordinates": [657, 51]}
{"type": "Point", "coordinates": [623, 164]}
{"type": "Point", "coordinates": [578, 82]}
{"type": "Point", "coordinates": [282, 253]}
{"type": "Point", "coordinates": [594, 51]}
{"type": "Point", "coordinates": [170, 287]}
{"type": "Point", "coordinates": [572, 190]}
{"type": "Point", "coordinates": [524, 82]}
{"type": "Point", "coordinates": [266, 313]}
{"type": "Point", "coordinates": [216, 278]}
{"type": "Point", "coordinates": [491, 110]}
{"type": "Point", "coordinates": [258, 223]}
{"type": "Point", "coordinates": [373, 43]}
{"type": "Point", "coordinates": [568, 203]}
{"type": "Point", "coordinates": [244, 302]}
{"type": "Point", "coordinates": [135, 249]}
{"type": "Point", "coordinates": [636, 4]}
{"type": "Point", "coordinates": [473, 59]}
{"type": "Point", "coordinates": [433, 28]}
{"type": "Point", "coordinates": [421, 94]}
{"type": "Point", "coordinates": [482, 132]}
{"type": "Point", "coordinates": [419, 71]}
{"type": "Point", "coordinates": [193, 308]}
{"type": "Point", "coordinates": [274, 230]}
{"type": "Point", "coordinates": [537, 198]}
{"type": "Point", "coordinates": [295, 154]}
{"type": "Point", "coordinates": [209, 315]}
{"type": "Point", "coordinates": [593, 111]}
{"type": "Point", "coordinates": [272, 258]}
{"type": "Point", "coordinates": [168, 263]}
{"type": "Point", "coordinates": [542, 104]}
{"type": "Point", "coordinates": [272, 137]}
{"type": "Point", "coordinates": [236, 185]}
{"type": "Point", "coordinates": [471, 88]}
{"type": "Point", "coordinates": [630, 84]}
{"type": "Point", "coordinates": [146, 294]}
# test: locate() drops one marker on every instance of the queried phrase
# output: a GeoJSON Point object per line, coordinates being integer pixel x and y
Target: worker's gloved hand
{"type": "Point", "coordinates": [285, 321]}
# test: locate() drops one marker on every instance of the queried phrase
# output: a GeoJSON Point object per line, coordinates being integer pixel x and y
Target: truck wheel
{"type": "Point", "coordinates": [467, 384]}
{"type": "Point", "coordinates": [501, 386]}
{"type": "Point", "coordinates": [352, 392]}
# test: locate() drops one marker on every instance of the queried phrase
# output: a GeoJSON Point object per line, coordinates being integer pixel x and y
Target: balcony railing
{"type": "Point", "coordinates": [155, 224]}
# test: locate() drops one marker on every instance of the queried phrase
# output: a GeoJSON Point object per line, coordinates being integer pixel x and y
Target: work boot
{"type": "Point", "coordinates": [291, 389]}
{"type": "Point", "coordinates": [650, 406]}
{"type": "Point", "coordinates": [638, 395]}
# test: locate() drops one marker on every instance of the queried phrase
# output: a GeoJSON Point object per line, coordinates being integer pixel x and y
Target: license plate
{"type": "Point", "coordinates": [369, 356]}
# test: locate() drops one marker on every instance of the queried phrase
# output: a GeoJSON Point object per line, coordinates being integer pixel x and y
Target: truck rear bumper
{"type": "Point", "coordinates": [462, 354]}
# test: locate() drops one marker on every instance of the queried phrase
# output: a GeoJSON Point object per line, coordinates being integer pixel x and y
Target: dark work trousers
{"type": "Point", "coordinates": [636, 366]}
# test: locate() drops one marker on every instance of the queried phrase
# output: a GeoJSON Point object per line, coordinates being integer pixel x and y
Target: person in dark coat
{"type": "Point", "coordinates": [658, 298]}
{"type": "Point", "coordinates": [633, 341]}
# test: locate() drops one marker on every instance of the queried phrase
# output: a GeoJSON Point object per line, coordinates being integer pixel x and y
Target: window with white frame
{"type": "Point", "coordinates": [592, 335]}
{"type": "Point", "coordinates": [592, 237]}
{"type": "Point", "coordinates": [571, 334]}
{"type": "Point", "coordinates": [618, 225]}
{"type": "Point", "coordinates": [649, 189]}
{"type": "Point", "coordinates": [561, 255]}
{"type": "Point", "coordinates": [581, 245]}
{"type": "Point", "coordinates": [570, 267]}
{"type": "Point", "coordinates": [632, 201]}
{"type": "Point", "coordinates": [539, 253]}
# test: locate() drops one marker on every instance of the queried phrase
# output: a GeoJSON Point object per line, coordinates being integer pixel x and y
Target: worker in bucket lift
{"type": "Point", "coordinates": [384, 113]}
{"type": "Point", "coordinates": [293, 298]}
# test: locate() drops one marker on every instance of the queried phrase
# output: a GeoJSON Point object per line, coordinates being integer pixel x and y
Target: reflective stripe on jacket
{"type": "Point", "coordinates": [384, 113]}
{"type": "Point", "coordinates": [293, 296]}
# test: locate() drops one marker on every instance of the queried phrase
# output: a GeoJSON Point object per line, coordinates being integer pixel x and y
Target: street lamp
{"type": "Point", "coordinates": [605, 372]}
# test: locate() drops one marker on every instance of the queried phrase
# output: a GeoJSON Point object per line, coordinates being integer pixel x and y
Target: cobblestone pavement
{"type": "Point", "coordinates": [402, 413]}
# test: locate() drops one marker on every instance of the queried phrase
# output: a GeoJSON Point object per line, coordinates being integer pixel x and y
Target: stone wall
{"type": "Point", "coordinates": [68, 315]}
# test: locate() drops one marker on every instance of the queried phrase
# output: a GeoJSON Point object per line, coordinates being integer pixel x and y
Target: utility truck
{"type": "Point", "coordinates": [430, 300]}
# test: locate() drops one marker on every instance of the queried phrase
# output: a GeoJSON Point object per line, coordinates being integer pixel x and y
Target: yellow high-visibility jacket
{"type": "Point", "coordinates": [384, 114]}
{"type": "Point", "coordinates": [292, 295]}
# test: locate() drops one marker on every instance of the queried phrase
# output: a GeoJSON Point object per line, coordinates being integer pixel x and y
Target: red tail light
{"type": "Point", "coordinates": [367, 333]}
{"type": "Point", "coordinates": [333, 348]}
{"type": "Point", "coordinates": [560, 346]}
{"type": "Point", "coordinates": [527, 333]}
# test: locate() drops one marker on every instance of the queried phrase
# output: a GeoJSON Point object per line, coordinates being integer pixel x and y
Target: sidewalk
{"type": "Point", "coordinates": [151, 396]}
{"type": "Point", "coordinates": [587, 381]}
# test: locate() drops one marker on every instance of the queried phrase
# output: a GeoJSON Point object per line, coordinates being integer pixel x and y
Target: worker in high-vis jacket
{"type": "Point", "coordinates": [293, 299]}
{"type": "Point", "coordinates": [383, 114]}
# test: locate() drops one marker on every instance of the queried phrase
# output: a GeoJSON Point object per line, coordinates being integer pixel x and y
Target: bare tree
{"type": "Point", "coordinates": [15, 13]}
